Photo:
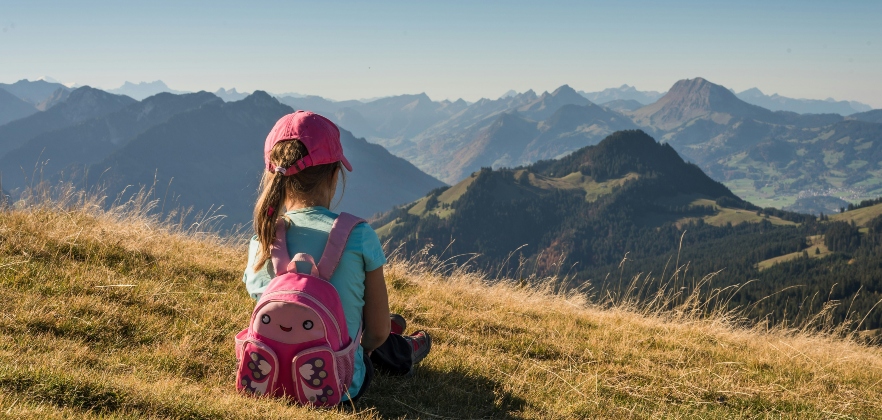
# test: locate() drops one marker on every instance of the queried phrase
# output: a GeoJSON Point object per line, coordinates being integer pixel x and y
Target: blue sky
{"type": "Point", "coordinates": [449, 49]}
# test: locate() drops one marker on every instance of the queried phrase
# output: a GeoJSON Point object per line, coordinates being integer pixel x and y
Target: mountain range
{"type": "Point", "coordinates": [770, 158]}
{"type": "Point", "coordinates": [509, 131]}
{"type": "Point", "coordinates": [13, 108]}
{"type": "Point", "coordinates": [197, 151]}
{"type": "Point", "coordinates": [72, 147]}
{"type": "Point", "coordinates": [623, 92]}
{"type": "Point", "coordinates": [82, 104]}
{"type": "Point", "coordinates": [213, 155]}
{"type": "Point", "coordinates": [142, 90]}
{"type": "Point", "coordinates": [776, 102]}
{"type": "Point", "coordinates": [33, 92]}
{"type": "Point", "coordinates": [386, 121]}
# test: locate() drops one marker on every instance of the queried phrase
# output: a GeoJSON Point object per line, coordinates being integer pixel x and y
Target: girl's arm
{"type": "Point", "coordinates": [376, 310]}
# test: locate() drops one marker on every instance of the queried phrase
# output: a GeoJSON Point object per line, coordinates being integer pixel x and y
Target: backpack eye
{"type": "Point", "coordinates": [265, 319]}
{"type": "Point", "coordinates": [307, 324]}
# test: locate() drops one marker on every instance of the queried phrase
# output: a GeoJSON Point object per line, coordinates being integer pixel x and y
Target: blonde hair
{"type": "Point", "coordinates": [304, 186]}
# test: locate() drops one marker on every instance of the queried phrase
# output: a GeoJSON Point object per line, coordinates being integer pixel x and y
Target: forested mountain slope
{"type": "Point", "coordinates": [634, 199]}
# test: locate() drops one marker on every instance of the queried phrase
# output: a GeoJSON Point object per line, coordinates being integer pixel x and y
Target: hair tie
{"type": "Point", "coordinates": [281, 169]}
{"type": "Point", "coordinates": [270, 211]}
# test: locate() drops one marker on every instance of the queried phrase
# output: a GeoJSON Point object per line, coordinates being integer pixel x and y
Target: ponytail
{"type": "Point", "coordinates": [275, 188]}
{"type": "Point", "coordinates": [266, 212]}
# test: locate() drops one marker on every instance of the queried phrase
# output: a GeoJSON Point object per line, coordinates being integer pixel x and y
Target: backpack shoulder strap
{"type": "Point", "coordinates": [279, 250]}
{"type": "Point", "coordinates": [337, 239]}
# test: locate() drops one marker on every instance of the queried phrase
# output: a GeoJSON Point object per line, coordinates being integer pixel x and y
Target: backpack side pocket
{"type": "Point", "coordinates": [346, 361]}
{"type": "Point", "coordinates": [315, 377]}
{"type": "Point", "coordinates": [258, 369]}
{"type": "Point", "coordinates": [240, 342]}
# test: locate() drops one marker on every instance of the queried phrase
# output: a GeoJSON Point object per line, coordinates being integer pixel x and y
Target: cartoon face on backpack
{"type": "Point", "coordinates": [288, 323]}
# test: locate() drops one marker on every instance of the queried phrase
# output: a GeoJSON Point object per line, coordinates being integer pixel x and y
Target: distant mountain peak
{"type": "Point", "coordinates": [626, 88]}
{"type": "Point", "coordinates": [623, 92]}
{"type": "Point", "coordinates": [700, 89]}
{"type": "Point", "coordinates": [546, 104]}
{"type": "Point", "coordinates": [83, 91]}
{"type": "Point", "coordinates": [509, 94]}
{"type": "Point", "coordinates": [752, 92]}
{"type": "Point", "coordinates": [261, 98]}
{"type": "Point", "coordinates": [142, 90]}
{"type": "Point", "coordinates": [693, 98]}
{"type": "Point", "coordinates": [696, 83]}
{"type": "Point", "coordinates": [565, 90]}
{"type": "Point", "coordinates": [230, 95]}
{"type": "Point", "coordinates": [86, 95]}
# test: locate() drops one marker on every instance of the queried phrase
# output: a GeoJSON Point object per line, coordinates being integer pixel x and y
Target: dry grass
{"type": "Point", "coordinates": [115, 315]}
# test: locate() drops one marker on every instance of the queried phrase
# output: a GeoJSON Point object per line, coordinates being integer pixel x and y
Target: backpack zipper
{"type": "Point", "coordinates": [314, 300]}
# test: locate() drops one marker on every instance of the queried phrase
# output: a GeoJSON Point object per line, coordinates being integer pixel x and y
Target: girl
{"type": "Point", "coordinates": [304, 157]}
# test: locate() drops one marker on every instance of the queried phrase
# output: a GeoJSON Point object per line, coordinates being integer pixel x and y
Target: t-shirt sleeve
{"type": "Point", "coordinates": [256, 281]}
{"type": "Point", "coordinates": [371, 248]}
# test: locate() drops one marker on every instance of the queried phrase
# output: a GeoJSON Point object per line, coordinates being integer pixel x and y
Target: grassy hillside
{"type": "Point", "coordinates": [111, 315]}
{"type": "Point", "coordinates": [860, 216]}
{"type": "Point", "coordinates": [815, 249]}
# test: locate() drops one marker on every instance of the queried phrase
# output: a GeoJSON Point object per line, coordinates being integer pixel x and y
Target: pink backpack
{"type": "Point", "coordinates": [297, 343]}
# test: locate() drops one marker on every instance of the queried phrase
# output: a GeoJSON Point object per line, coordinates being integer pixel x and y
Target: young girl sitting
{"type": "Point", "coordinates": [304, 157]}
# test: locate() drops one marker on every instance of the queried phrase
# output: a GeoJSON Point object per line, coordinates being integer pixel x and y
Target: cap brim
{"type": "Point", "coordinates": [346, 163]}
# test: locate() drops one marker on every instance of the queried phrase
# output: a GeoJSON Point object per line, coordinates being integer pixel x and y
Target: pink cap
{"type": "Point", "coordinates": [320, 136]}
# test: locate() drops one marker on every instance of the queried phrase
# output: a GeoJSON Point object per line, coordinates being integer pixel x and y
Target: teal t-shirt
{"type": "Point", "coordinates": [309, 234]}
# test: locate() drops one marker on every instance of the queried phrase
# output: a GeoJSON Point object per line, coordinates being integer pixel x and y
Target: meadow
{"type": "Point", "coordinates": [117, 314]}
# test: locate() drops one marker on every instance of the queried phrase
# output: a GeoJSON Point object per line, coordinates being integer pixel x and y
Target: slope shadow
{"type": "Point", "coordinates": [432, 394]}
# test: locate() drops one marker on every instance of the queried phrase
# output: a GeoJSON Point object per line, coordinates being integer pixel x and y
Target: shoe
{"type": "Point", "coordinates": [398, 324]}
{"type": "Point", "coordinates": [420, 343]}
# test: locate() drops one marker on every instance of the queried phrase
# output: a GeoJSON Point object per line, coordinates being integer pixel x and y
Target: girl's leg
{"type": "Point", "coordinates": [394, 356]}
{"type": "Point", "coordinates": [399, 353]}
